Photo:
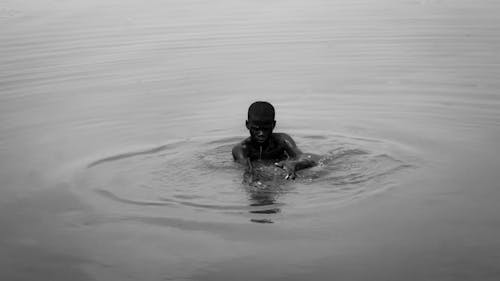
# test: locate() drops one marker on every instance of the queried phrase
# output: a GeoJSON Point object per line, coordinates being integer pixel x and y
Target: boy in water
{"type": "Point", "coordinates": [263, 144]}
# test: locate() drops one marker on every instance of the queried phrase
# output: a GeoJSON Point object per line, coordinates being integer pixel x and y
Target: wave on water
{"type": "Point", "coordinates": [200, 175]}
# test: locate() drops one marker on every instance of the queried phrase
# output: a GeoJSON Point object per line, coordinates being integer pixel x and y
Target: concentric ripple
{"type": "Point", "coordinates": [198, 176]}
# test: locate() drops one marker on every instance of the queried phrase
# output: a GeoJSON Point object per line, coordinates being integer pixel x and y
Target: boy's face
{"type": "Point", "coordinates": [260, 130]}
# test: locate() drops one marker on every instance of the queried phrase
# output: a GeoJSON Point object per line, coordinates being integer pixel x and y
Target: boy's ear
{"type": "Point", "coordinates": [247, 124]}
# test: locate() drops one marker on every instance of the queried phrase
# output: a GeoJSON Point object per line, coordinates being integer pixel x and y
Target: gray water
{"type": "Point", "coordinates": [117, 119]}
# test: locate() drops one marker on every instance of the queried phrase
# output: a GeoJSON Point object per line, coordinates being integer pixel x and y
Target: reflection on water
{"type": "Point", "coordinates": [264, 186]}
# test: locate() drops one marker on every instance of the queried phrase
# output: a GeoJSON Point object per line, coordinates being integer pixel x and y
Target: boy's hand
{"type": "Point", "coordinates": [289, 167]}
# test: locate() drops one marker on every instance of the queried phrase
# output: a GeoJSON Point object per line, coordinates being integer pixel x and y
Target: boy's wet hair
{"type": "Point", "coordinates": [261, 110]}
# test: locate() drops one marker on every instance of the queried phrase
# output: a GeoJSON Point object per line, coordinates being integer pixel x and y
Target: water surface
{"type": "Point", "coordinates": [117, 119]}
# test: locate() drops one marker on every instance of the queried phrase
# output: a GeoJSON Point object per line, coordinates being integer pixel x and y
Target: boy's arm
{"type": "Point", "coordinates": [240, 155]}
{"type": "Point", "coordinates": [297, 159]}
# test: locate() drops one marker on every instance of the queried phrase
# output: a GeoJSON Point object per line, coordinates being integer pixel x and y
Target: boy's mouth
{"type": "Point", "coordinates": [260, 139]}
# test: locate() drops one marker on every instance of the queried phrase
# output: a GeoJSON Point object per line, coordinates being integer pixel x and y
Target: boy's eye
{"type": "Point", "coordinates": [260, 128]}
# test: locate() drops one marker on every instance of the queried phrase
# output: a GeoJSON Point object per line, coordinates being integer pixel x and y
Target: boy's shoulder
{"type": "Point", "coordinates": [245, 142]}
{"type": "Point", "coordinates": [283, 138]}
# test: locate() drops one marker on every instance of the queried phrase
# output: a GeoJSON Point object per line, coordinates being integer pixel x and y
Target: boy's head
{"type": "Point", "coordinates": [260, 121]}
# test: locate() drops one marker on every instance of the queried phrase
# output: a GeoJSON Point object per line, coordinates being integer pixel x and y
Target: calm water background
{"type": "Point", "coordinates": [117, 119]}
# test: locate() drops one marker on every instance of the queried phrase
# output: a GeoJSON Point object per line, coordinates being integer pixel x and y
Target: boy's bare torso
{"type": "Point", "coordinates": [279, 147]}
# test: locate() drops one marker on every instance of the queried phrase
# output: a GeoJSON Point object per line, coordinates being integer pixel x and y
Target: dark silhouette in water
{"type": "Point", "coordinates": [263, 144]}
{"type": "Point", "coordinates": [270, 159]}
